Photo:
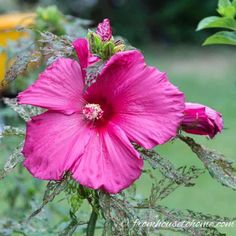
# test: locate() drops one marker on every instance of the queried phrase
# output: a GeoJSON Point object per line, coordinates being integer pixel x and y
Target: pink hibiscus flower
{"type": "Point", "coordinates": [89, 132]}
{"type": "Point", "coordinates": [202, 120]}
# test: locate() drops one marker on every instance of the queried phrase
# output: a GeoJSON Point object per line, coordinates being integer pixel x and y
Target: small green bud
{"type": "Point", "coordinates": [95, 42]}
{"type": "Point", "coordinates": [108, 50]}
{"type": "Point", "coordinates": [119, 48]}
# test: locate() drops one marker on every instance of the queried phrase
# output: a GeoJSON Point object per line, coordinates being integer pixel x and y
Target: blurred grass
{"type": "Point", "coordinates": [207, 76]}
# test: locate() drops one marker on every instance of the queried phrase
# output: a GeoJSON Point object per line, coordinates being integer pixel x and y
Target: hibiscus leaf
{"type": "Point", "coordinates": [119, 215]}
{"type": "Point", "coordinates": [12, 131]}
{"type": "Point", "coordinates": [165, 166]}
{"type": "Point", "coordinates": [70, 229]}
{"type": "Point", "coordinates": [36, 227]}
{"type": "Point", "coordinates": [222, 37]}
{"type": "Point", "coordinates": [54, 47]}
{"type": "Point", "coordinates": [20, 65]}
{"type": "Point", "coordinates": [219, 168]}
{"type": "Point", "coordinates": [15, 158]}
{"type": "Point", "coordinates": [92, 72]}
{"type": "Point", "coordinates": [191, 215]}
{"type": "Point", "coordinates": [24, 111]}
{"type": "Point", "coordinates": [53, 189]}
{"type": "Point", "coordinates": [217, 22]}
{"type": "Point", "coordinates": [175, 215]}
{"type": "Point", "coordinates": [76, 194]}
{"type": "Point", "coordinates": [8, 227]}
{"type": "Point", "coordinates": [123, 217]}
{"type": "Point", "coordinates": [165, 186]}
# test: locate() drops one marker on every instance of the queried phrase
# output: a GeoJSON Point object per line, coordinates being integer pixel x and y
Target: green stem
{"type": "Point", "coordinates": [92, 223]}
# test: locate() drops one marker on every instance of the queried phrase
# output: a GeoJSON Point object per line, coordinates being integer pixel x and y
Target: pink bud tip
{"type": "Point", "coordinates": [104, 30]}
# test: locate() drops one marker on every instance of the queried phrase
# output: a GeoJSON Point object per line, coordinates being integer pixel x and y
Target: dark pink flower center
{"type": "Point", "coordinates": [99, 107]}
{"type": "Point", "coordinates": [92, 111]}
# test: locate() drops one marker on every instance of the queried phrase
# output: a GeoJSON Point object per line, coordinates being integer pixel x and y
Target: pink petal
{"type": "Point", "coordinates": [143, 102]}
{"type": "Point", "coordinates": [109, 162]}
{"type": "Point", "coordinates": [58, 88]}
{"type": "Point", "coordinates": [53, 143]}
{"type": "Point", "coordinates": [82, 49]}
{"type": "Point", "coordinates": [86, 58]}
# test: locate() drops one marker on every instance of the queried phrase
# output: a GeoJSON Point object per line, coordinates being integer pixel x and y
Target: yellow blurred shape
{"type": "Point", "coordinates": [8, 24]}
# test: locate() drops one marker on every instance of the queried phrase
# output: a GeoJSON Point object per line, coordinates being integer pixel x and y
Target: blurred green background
{"type": "Point", "coordinates": [165, 32]}
{"type": "Point", "coordinates": [140, 21]}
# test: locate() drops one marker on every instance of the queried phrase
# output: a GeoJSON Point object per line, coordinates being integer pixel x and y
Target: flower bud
{"type": "Point", "coordinates": [108, 50]}
{"type": "Point", "coordinates": [201, 120]}
{"type": "Point", "coordinates": [119, 48]}
{"type": "Point", "coordinates": [104, 30]}
{"type": "Point", "coordinates": [95, 42]}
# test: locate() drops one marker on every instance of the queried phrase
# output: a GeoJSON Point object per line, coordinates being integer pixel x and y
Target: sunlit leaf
{"type": "Point", "coordinates": [217, 22]}
{"type": "Point", "coordinates": [223, 37]}
{"type": "Point", "coordinates": [226, 8]}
